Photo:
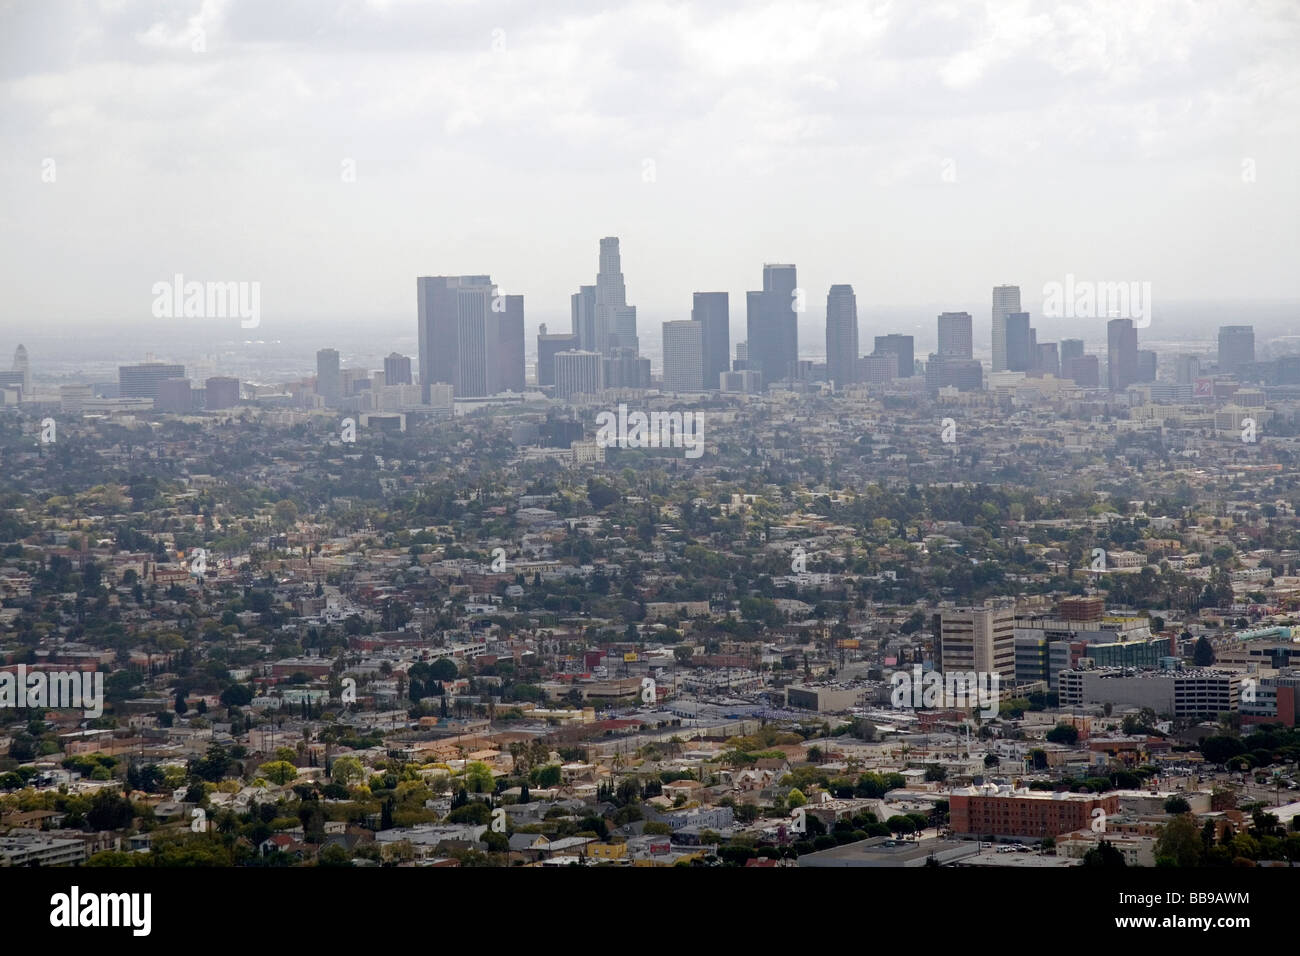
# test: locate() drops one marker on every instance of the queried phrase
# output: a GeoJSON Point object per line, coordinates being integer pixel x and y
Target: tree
{"type": "Point", "coordinates": [1104, 854]}
{"type": "Point", "coordinates": [1203, 655]}
{"type": "Point", "coordinates": [181, 706]}
{"type": "Point", "coordinates": [348, 770]}
{"type": "Point", "coordinates": [478, 777]}
{"type": "Point", "coordinates": [795, 798]}
{"type": "Point", "coordinates": [279, 771]}
{"type": "Point", "coordinates": [1179, 843]}
{"type": "Point", "coordinates": [1063, 734]}
{"type": "Point", "coordinates": [1177, 804]}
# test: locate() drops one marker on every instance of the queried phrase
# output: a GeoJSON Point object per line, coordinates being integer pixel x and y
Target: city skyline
{"type": "Point", "coordinates": [1110, 132]}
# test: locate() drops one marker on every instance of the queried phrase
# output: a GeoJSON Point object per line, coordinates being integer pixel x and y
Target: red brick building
{"type": "Point", "coordinates": [1002, 811]}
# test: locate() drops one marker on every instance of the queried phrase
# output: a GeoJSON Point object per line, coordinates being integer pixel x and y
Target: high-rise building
{"type": "Point", "coordinates": [1121, 354]}
{"type": "Point", "coordinates": [397, 370]}
{"type": "Point", "coordinates": [713, 311]}
{"type": "Point", "coordinates": [1017, 341]}
{"type": "Point", "coordinates": [582, 311]}
{"type": "Point", "coordinates": [510, 346]}
{"type": "Point", "coordinates": [578, 373]}
{"type": "Point", "coordinates": [615, 320]}
{"type": "Point", "coordinates": [841, 335]}
{"type": "Point", "coordinates": [878, 367]}
{"type": "Point", "coordinates": [174, 395]}
{"type": "Point", "coordinates": [625, 369]}
{"type": "Point", "coordinates": [1236, 347]}
{"type": "Point", "coordinates": [1083, 370]}
{"type": "Point", "coordinates": [548, 345]}
{"type": "Point", "coordinates": [903, 346]}
{"type": "Point", "coordinates": [23, 367]}
{"type": "Point", "coordinates": [979, 639]}
{"type": "Point", "coordinates": [1187, 369]}
{"type": "Point", "coordinates": [142, 381]}
{"type": "Point", "coordinates": [771, 324]}
{"type": "Point", "coordinates": [1070, 349]}
{"type": "Point", "coordinates": [1049, 359]}
{"type": "Point", "coordinates": [965, 375]}
{"type": "Point", "coordinates": [220, 392]}
{"type": "Point", "coordinates": [329, 383]}
{"type": "Point", "coordinates": [1146, 366]}
{"type": "Point", "coordinates": [447, 307]}
{"type": "Point", "coordinates": [742, 357]}
{"type": "Point", "coordinates": [956, 336]}
{"type": "Point", "coordinates": [1006, 301]}
{"type": "Point", "coordinates": [683, 356]}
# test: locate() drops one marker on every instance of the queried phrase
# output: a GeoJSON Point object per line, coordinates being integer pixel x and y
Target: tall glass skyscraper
{"type": "Point", "coordinates": [1006, 300]}
{"type": "Point", "coordinates": [771, 324]}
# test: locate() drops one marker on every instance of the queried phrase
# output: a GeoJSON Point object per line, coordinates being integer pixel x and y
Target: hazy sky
{"type": "Point", "coordinates": [920, 151]}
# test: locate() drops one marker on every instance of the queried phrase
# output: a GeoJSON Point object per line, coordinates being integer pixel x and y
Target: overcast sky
{"type": "Point", "coordinates": [921, 151]}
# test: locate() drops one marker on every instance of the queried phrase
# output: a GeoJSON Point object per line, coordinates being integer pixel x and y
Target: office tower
{"type": "Point", "coordinates": [902, 346]}
{"type": "Point", "coordinates": [979, 639]}
{"type": "Point", "coordinates": [582, 309]}
{"type": "Point", "coordinates": [841, 335]}
{"type": "Point", "coordinates": [965, 375]}
{"type": "Point", "coordinates": [174, 395]}
{"type": "Point", "coordinates": [744, 382]}
{"type": "Point", "coordinates": [1121, 354]}
{"type": "Point", "coordinates": [615, 319]}
{"type": "Point", "coordinates": [142, 381]}
{"type": "Point", "coordinates": [1017, 342]}
{"type": "Point", "coordinates": [1236, 347]}
{"type": "Point", "coordinates": [1146, 366]}
{"type": "Point", "coordinates": [329, 381]}
{"type": "Point", "coordinates": [771, 325]}
{"type": "Point", "coordinates": [1187, 369]}
{"type": "Point", "coordinates": [713, 311]}
{"type": "Point", "coordinates": [878, 368]}
{"type": "Point", "coordinates": [683, 356]}
{"type": "Point", "coordinates": [625, 369]}
{"type": "Point", "coordinates": [397, 370]}
{"type": "Point", "coordinates": [956, 338]}
{"type": "Point", "coordinates": [223, 392]}
{"type": "Point", "coordinates": [441, 315]}
{"type": "Point", "coordinates": [741, 363]}
{"type": "Point", "coordinates": [23, 367]}
{"type": "Point", "coordinates": [1083, 370]}
{"type": "Point", "coordinates": [510, 346]}
{"type": "Point", "coordinates": [1049, 359]}
{"type": "Point", "coordinates": [578, 373]}
{"type": "Point", "coordinates": [1070, 349]}
{"type": "Point", "coordinates": [1006, 301]}
{"type": "Point", "coordinates": [547, 347]}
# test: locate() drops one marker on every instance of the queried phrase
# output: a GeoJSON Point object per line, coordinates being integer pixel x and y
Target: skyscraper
{"type": "Point", "coordinates": [582, 308]}
{"type": "Point", "coordinates": [1236, 347]}
{"type": "Point", "coordinates": [683, 356]}
{"type": "Point", "coordinates": [1146, 366]}
{"type": "Point", "coordinates": [548, 346]}
{"type": "Point", "coordinates": [24, 368]}
{"type": "Point", "coordinates": [1049, 359]}
{"type": "Point", "coordinates": [842, 335]}
{"type": "Point", "coordinates": [397, 369]}
{"type": "Point", "coordinates": [578, 373]}
{"type": "Point", "coordinates": [1187, 369]}
{"type": "Point", "coordinates": [1121, 354]}
{"type": "Point", "coordinates": [461, 322]}
{"type": "Point", "coordinates": [956, 337]}
{"type": "Point", "coordinates": [1070, 349]}
{"type": "Point", "coordinates": [771, 324]}
{"type": "Point", "coordinates": [1006, 300]}
{"type": "Point", "coordinates": [902, 346]}
{"type": "Point", "coordinates": [221, 391]}
{"type": "Point", "coordinates": [615, 320]}
{"type": "Point", "coordinates": [440, 312]}
{"type": "Point", "coordinates": [978, 639]}
{"type": "Point", "coordinates": [712, 310]}
{"type": "Point", "coordinates": [510, 346]}
{"type": "Point", "coordinates": [328, 381]}
{"type": "Point", "coordinates": [1017, 342]}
